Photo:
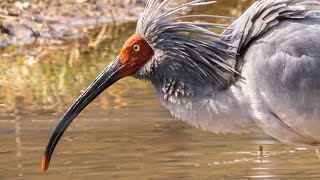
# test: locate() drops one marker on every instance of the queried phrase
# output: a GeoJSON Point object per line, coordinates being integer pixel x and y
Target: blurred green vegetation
{"type": "Point", "coordinates": [42, 78]}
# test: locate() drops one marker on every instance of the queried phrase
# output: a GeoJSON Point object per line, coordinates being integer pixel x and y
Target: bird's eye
{"type": "Point", "coordinates": [136, 47]}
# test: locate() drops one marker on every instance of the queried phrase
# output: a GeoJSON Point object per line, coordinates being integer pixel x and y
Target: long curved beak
{"type": "Point", "coordinates": [106, 78]}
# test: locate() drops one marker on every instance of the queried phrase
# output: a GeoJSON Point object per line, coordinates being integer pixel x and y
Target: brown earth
{"type": "Point", "coordinates": [25, 22]}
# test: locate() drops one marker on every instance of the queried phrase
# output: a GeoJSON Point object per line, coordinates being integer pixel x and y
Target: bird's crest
{"type": "Point", "coordinates": [192, 44]}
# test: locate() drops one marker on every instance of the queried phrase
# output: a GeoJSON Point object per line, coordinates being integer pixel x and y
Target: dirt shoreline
{"type": "Point", "coordinates": [43, 20]}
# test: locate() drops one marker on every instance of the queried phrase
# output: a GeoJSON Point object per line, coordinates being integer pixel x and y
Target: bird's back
{"type": "Point", "coordinates": [265, 14]}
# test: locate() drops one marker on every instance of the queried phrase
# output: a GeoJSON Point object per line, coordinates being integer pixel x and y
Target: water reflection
{"type": "Point", "coordinates": [125, 133]}
{"type": "Point", "coordinates": [125, 144]}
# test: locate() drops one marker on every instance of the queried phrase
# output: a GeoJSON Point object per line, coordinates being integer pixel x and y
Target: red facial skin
{"type": "Point", "coordinates": [132, 60]}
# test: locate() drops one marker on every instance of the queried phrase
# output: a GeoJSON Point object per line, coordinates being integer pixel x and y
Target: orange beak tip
{"type": "Point", "coordinates": [44, 164]}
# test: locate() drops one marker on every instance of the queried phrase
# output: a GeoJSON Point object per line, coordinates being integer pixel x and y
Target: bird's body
{"type": "Point", "coordinates": [261, 74]}
{"type": "Point", "coordinates": [282, 75]}
{"type": "Point", "coordinates": [279, 92]}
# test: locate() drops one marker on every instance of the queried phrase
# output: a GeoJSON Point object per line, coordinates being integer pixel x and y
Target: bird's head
{"type": "Point", "coordinates": [134, 54]}
{"type": "Point", "coordinates": [164, 42]}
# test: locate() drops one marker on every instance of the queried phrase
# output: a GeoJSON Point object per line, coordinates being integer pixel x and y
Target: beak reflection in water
{"type": "Point", "coordinates": [107, 77]}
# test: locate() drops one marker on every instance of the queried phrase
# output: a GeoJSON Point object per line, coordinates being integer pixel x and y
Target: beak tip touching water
{"type": "Point", "coordinates": [44, 163]}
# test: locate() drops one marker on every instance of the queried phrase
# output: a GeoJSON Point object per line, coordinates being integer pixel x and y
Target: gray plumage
{"type": "Point", "coordinates": [190, 44]}
{"type": "Point", "coordinates": [261, 74]}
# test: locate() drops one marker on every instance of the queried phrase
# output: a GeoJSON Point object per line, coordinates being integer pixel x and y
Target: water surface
{"type": "Point", "coordinates": [125, 133]}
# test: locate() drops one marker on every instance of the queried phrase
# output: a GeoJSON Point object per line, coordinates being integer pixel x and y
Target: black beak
{"type": "Point", "coordinates": [107, 77]}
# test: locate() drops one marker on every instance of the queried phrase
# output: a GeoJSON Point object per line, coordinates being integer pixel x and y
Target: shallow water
{"type": "Point", "coordinates": [125, 133]}
{"type": "Point", "coordinates": [144, 142]}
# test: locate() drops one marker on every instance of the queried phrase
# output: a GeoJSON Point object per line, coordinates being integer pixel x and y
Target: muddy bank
{"type": "Point", "coordinates": [44, 20]}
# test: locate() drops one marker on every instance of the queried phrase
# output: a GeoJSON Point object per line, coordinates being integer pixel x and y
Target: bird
{"type": "Point", "coordinates": [261, 74]}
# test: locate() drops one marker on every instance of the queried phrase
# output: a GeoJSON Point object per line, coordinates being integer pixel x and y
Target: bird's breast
{"type": "Point", "coordinates": [218, 112]}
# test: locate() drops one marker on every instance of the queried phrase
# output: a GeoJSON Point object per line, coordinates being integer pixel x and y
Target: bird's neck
{"type": "Point", "coordinates": [200, 104]}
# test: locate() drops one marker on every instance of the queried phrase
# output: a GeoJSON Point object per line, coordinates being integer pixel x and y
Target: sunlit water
{"type": "Point", "coordinates": [125, 133]}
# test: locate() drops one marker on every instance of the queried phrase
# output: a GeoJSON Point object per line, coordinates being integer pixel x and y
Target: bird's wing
{"type": "Point", "coordinates": [282, 69]}
{"type": "Point", "coordinates": [264, 14]}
